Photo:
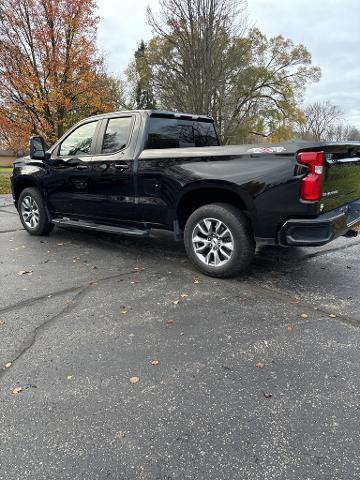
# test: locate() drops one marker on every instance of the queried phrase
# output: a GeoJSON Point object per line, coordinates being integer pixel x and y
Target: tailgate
{"type": "Point", "coordinates": [342, 175]}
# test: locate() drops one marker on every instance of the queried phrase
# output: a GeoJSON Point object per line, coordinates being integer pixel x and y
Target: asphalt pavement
{"type": "Point", "coordinates": [254, 378]}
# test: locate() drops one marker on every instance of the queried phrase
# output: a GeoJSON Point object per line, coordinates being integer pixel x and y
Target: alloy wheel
{"type": "Point", "coordinates": [30, 212]}
{"type": "Point", "coordinates": [213, 242]}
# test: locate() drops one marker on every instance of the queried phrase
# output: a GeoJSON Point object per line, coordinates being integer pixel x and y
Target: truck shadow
{"type": "Point", "coordinates": [162, 244]}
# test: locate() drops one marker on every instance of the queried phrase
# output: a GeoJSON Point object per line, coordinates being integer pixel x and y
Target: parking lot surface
{"type": "Point", "coordinates": [250, 378]}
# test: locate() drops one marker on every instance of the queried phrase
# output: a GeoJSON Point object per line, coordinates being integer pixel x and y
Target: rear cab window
{"type": "Point", "coordinates": [117, 134]}
{"type": "Point", "coordinates": [166, 132]}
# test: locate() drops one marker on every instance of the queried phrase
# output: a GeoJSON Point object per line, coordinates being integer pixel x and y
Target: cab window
{"type": "Point", "coordinates": [79, 141]}
{"type": "Point", "coordinates": [178, 133]}
{"type": "Point", "coordinates": [116, 134]}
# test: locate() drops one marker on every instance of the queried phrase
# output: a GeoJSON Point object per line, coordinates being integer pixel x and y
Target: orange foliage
{"type": "Point", "coordinates": [51, 73]}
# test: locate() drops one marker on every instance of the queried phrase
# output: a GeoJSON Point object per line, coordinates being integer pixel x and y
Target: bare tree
{"type": "Point", "coordinates": [321, 121]}
{"type": "Point", "coordinates": [204, 59]}
{"type": "Point", "coordinates": [353, 134]}
{"type": "Point", "coordinates": [197, 33]}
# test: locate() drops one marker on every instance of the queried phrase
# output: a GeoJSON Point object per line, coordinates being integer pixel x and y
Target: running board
{"type": "Point", "coordinates": [66, 222]}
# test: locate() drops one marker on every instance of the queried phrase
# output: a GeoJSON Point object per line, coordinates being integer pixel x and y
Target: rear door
{"type": "Point", "coordinates": [113, 171]}
{"type": "Point", "coordinates": [342, 176]}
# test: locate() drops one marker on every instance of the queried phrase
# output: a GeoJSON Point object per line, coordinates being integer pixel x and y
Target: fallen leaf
{"type": "Point", "coordinates": [260, 365]}
{"type": "Point", "coordinates": [332, 315]}
{"type": "Point", "coordinates": [196, 281]}
{"type": "Point", "coordinates": [2, 322]}
{"type": "Point", "coordinates": [92, 284]}
{"type": "Point", "coordinates": [124, 312]}
{"type": "Point", "coordinates": [16, 390]}
{"type": "Point", "coordinates": [93, 268]}
{"type": "Point", "coordinates": [139, 269]}
{"type": "Point", "coordinates": [69, 377]}
{"type": "Point", "coordinates": [25, 272]}
{"type": "Point", "coordinates": [267, 394]}
{"type": "Point", "coordinates": [170, 322]}
{"type": "Point", "coordinates": [176, 302]}
{"type": "Point", "coordinates": [296, 301]}
{"type": "Point", "coordinates": [154, 362]}
{"type": "Point", "coordinates": [290, 328]}
{"type": "Point", "coordinates": [8, 365]}
{"type": "Point", "coordinates": [304, 316]}
{"type": "Point", "coordinates": [184, 295]}
{"type": "Point", "coordinates": [134, 380]}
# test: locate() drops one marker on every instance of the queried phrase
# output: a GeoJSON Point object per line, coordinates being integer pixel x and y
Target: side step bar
{"type": "Point", "coordinates": [66, 222]}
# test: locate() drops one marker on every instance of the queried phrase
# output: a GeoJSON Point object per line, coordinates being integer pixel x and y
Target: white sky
{"type": "Point", "coordinates": [328, 28]}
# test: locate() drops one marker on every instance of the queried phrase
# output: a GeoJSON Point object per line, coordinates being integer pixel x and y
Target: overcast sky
{"type": "Point", "coordinates": [328, 28]}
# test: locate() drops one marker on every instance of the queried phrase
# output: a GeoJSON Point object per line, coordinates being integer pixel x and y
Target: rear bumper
{"type": "Point", "coordinates": [320, 230]}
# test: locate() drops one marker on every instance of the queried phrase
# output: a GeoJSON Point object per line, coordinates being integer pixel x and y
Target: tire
{"type": "Point", "coordinates": [226, 231]}
{"type": "Point", "coordinates": [33, 213]}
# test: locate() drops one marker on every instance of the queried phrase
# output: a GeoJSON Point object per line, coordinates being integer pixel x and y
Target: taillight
{"type": "Point", "coordinates": [311, 185]}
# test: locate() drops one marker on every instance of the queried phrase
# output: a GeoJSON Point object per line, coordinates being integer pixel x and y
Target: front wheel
{"type": "Point", "coordinates": [218, 240]}
{"type": "Point", "coordinates": [32, 212]}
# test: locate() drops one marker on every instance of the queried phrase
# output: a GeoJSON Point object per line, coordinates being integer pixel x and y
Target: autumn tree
{"type": "Point", "coordinates": [204, 59]}
{"type": "Point", "coordinates": [144, 98]}
{"type": "Point", "coordinates": [51, 73]}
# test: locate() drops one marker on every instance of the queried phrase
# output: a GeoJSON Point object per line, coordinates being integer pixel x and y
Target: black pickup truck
{"type": "Point", "coordinates": [129, 172]}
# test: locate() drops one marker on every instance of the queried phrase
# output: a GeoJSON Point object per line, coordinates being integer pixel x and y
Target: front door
{"type": "Point", "coordinates": [69, 183]}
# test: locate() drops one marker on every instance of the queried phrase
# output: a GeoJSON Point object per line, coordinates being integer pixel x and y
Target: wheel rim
{"type": "Point", "coordinates": [213, 242]}
{"type": "Point", "coordinates": [30, 212]}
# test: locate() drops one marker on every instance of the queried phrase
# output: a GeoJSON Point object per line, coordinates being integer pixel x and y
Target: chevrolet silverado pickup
{"type": "Point", "coordinates": [130, 172]}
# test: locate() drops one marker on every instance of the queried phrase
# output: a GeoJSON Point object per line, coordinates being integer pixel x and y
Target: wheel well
{"type": "Point", "coordinates": [20, 185]}
{"type": "Point", "coordinates": [202, 196]}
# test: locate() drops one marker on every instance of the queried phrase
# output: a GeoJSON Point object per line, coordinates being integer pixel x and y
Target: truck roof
{"type": "Point", "coordinates": [157, 113]}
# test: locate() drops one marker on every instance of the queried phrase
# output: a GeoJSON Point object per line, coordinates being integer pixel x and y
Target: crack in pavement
{"type": "Point", "coordinates": [31, 301]}
{"type": "Point", "coordinates": [284, 259]}
{"type": "Point", "coordinates": [12, 231]}
{"type": "Point", "coordinates": [281, 295]}
{"type": "Point", "coordinates": [74, 303]}
{"type": "Point", "coordinates": [27, 344]}
{"type": "Point", "coordinates": [330, 250]}
{"type": "Point", "coordinates": [7, 211]}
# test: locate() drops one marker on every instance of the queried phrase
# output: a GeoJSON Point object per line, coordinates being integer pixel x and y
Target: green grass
{"type": "Point", "coordinates": [5, 173]}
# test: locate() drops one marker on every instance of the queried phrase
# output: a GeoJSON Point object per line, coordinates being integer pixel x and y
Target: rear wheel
{"type": "Point", "coordinates": [218, 240]}
{"type": "Point", "coordinates": [32, 212]}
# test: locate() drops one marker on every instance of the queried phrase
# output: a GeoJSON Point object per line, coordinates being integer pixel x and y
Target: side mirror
{"type": "Point", "coordinates": [37, 149]}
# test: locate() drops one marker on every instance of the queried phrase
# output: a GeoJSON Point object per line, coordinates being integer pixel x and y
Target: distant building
{"type": "Point", "coordinates": [7, 157]}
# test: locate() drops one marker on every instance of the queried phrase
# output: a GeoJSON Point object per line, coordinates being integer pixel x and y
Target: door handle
{"type": "Point", "coordinates": [81, 167]}
{"type": "Point", "coordinates": [121, 166]}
